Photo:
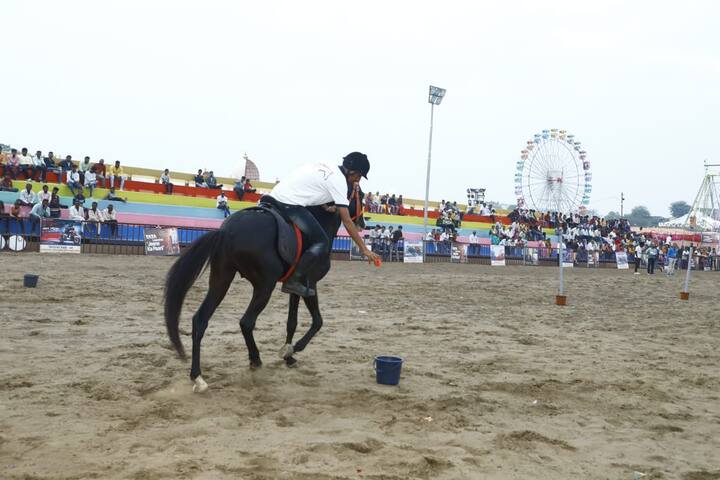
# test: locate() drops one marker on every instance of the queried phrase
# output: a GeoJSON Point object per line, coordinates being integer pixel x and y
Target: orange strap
{"type": "Point", "coordinates": [298, 254]}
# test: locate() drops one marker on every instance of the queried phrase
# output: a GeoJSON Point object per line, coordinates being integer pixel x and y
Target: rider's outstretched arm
{"type": "Point", "coordinates": [352, 231]}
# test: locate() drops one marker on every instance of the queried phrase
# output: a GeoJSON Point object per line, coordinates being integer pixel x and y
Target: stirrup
{"type": "Point", "coordinates": [296, 287]}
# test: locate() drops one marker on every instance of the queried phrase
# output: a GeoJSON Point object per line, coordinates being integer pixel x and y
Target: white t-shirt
{"type": "Point", "coordinates": [312, 184]}
{"type": "Point", "coordinates": [221, 200]}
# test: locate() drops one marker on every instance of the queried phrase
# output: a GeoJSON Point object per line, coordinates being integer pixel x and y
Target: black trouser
{"type": "Point", "coordinates": [318, 242]}
{"type": "Point", "coordinates": [638, 261]}
{"type": "Point", "coordinates": [651, 265]}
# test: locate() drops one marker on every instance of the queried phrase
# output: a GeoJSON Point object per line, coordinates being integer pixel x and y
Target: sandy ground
{"type": "Point", "coordinates": [497, 382]}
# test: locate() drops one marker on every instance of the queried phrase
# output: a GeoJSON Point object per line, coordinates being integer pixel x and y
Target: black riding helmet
{"type": "Point", "coordinates": [357, 162]}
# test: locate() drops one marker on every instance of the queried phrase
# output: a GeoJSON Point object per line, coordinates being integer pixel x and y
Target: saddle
{"type": "Point", "coordinates": [289, 239]}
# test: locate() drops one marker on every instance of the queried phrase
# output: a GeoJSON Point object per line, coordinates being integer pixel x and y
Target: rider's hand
{"type": "Point", "coordinates": [372, 257]}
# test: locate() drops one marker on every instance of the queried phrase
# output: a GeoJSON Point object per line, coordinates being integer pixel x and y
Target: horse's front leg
{"type": "Point", "coordinates": [287, 350]}
{"type": "Point", "coordinates": [313, 307]}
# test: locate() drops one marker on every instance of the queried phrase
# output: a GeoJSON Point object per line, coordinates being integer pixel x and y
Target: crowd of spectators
{"type": "Point", "coordinates": [387, 242]}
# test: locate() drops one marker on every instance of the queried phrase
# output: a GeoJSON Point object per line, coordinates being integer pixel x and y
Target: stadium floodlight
{"type": "Point", "coordinates": [434, 98]}
{"type": "Point", "coordinates": [436, 95]}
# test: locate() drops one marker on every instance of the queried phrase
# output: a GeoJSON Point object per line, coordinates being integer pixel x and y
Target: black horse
{"type": "Point", "coordinates": [246, 244]}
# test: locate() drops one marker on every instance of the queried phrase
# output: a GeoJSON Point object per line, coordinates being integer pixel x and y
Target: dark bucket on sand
{"type": "Point", "coordinates": [30, 280]}
{"type": "Point", "coordinates": [387, 370]}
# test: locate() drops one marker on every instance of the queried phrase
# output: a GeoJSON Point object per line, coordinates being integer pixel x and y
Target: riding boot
{"type": "Point", "coordinates": [297, 283]}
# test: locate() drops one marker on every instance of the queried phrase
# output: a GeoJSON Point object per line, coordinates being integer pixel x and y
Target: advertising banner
{"type": "Point", "coordinates": [497, 255]}
{"type": "Point", "coordinates": [61, 236]}
{"type": "Point", "coordinates": [621, 260]}
{"type": "Point", "coordinates": [161, 241]}
{"type": "Point", "coordinates": [568, 258]}
{"type": "Point", "coordinates": [413, 251]}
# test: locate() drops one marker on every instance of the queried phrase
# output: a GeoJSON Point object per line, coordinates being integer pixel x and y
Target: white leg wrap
{"type": "Point", "coordinates": [200, 386]}
{"type": "Point", "coordinates": [286, 351]}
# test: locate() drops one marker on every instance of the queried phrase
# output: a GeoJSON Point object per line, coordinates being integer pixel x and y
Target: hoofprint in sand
{"type": "Point", "coordinates": [498, 382]}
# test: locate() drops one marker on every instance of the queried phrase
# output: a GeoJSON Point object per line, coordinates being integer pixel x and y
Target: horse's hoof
{"type": "Point", "coordinates": [291, 362]}
{"type": "Point", "coordinates": [286, 351]}
{"type": "Point", "coordinates": [200, 386]}
{"type": "Point", "coordinates": [254, 364]}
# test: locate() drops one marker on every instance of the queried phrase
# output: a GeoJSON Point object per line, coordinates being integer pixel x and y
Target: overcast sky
{"type": "Point", "coordinates": [188, 85]}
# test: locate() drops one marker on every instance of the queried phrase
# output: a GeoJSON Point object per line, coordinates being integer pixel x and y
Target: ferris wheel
{"type": "Point", "coordinates": [553, 173]}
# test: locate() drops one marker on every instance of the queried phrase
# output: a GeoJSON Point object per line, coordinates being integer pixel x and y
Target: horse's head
{"type": "Point", "coordinates": [356, 197]}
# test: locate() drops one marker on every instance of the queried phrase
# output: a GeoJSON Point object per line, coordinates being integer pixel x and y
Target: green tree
{"type": "Point", "coordinates": [612, 215]}
{"type": "Point", "coordinates": [679, 208]}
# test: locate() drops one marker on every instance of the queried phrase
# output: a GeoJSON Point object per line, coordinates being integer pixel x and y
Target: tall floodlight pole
{"type": "Point", "coordinates": [434, 98]}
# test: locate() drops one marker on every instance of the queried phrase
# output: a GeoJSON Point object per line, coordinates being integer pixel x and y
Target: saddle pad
{"type": "Point", "coordinates": [287, 240]}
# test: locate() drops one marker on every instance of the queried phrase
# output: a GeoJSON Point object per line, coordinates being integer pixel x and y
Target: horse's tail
{"type": "Point", "coordinates": [181, 277]}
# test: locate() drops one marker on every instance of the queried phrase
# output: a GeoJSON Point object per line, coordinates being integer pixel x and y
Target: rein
{"type": "Point", "coordinates": [358, 206]}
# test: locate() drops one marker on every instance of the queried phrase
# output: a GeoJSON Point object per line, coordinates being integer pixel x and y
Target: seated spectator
{"type": "Point", "coordinates": [83, 168]}
{"type": "Point", "coordinates": [100, 173]}
{"type": "Point", "coordinates": [55, 204]}
{"type": "Point", "coordinates": [66, 165]}
{"type": "Point", "coordinates": [16, 213]}
{"type": "Point", "coordinates": [165, 179]}
{"type": "Point", "coordinates": [211, 181]}
{"type": "Point", "coordinates": [12, 164]}
{"type": "Point", "coordinates": [79, 197]}
{"type": "Point", "coordinates": [200, 180]}
{"type": "Point", "coordinates": [73, 179]}
{"type": "Point", "coordinates": [39, 211]}
{"type": "Point", "coordinates": [112, 197]}
{"type": "Point", "coordinates": [52, 166]}
{"type": "Point", "coordinates": [26, 164]}
{"type": "Point", "coordinates": [93, 214]}
{"type": "Point", "coordinates": [7, 184]}
{"type": "Point", "coordinates": [91, 180]}
{"type": "Point", "coordinates": [239, 188]}
{"type": "Point", "coordinates": [392, 205]}
{"type": "Point", "coordinates": [110, 217]}
{"type": "Point", "coordinates": [27, 196]}
{"type": "Point", "coordinates": [4, 218]}
{"type": "Point", "coordinates": [116, 171]}
{"type": "Point", "coordinates": [248, 188]}
{"type": "Point", "coordinates": [76, 212]}
{"type": "Point", "coordinates": [222, 204]}
{"type": "Point", "coordinates": [39, 169]}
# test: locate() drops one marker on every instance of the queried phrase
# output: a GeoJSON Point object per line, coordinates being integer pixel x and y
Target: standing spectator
{"type": "Point", "coordinates": [12, 164]}
{"type": "Point", "coordinates": [211, 181]}
{"type": "Point", "coordinates": [26, 164]}
{"type": "Point", "coordinates": [83, 168]}
{"type": "Point", "coordinates": [91, 180]}
{"type": "Point", "coordinates": [165, 179]}
{"type": "Point", "coordinates": [27, 196]}
{"type": "Point", "coordinates": [671, 259]}
{"type": "Point", "coordinates": [7, 184]}
{"type": "Point", "coordinates": [248, 188]}
{"type": "Point", "coordinates": [473, 238]}
{"type": "Point", "coordinates": [117, 171]}
{"type": "Point", "coordinates": [110, 217]}
{"type": "Point", "coordinates": [73, 179]}
{"type": "Point", "coordinates": [652, 253]}
{"type": "Point", "coordinates": [44, 194]}
{"type": "Point", "coordinates": [397, 237]}
{"type": "Point", "coordinates": [239, 188]}
{"type": "Point", "coordinates": [16, 213]}
{"type": "Point", "coordinates": [638, 258]}
{"type": "Point", "coordinates": [222, 204]}
{"type": "Point", "coordinates": [114, 198]}
{"type": "Point", "coordinates": [100, 172]}
{"type": "Point", "coordinates": [66, 165]}
{"type": "Point", "coordinates": [200, 180]}
{"type": "Point", "coordinates": [76, 212]}
{"type": "Point", "coordinates": [39, 172]}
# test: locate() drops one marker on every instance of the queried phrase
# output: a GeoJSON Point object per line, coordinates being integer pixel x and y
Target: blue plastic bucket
{"type": "Point", "coordinates": [387, 370]}
{"type": "Point", "coordinates": [30, 280]}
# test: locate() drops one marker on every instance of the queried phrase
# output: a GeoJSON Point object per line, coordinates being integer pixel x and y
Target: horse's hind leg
{"type": "Point", "coordinates": [220, 280]}
{"type": "Point", "coordinates": [261, 297]}
{"type": "Point", "coordinates": [287, 350]}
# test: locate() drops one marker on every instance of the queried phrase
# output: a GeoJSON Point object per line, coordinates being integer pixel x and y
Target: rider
{"type": "Point", "coordinates": [318, 184]}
